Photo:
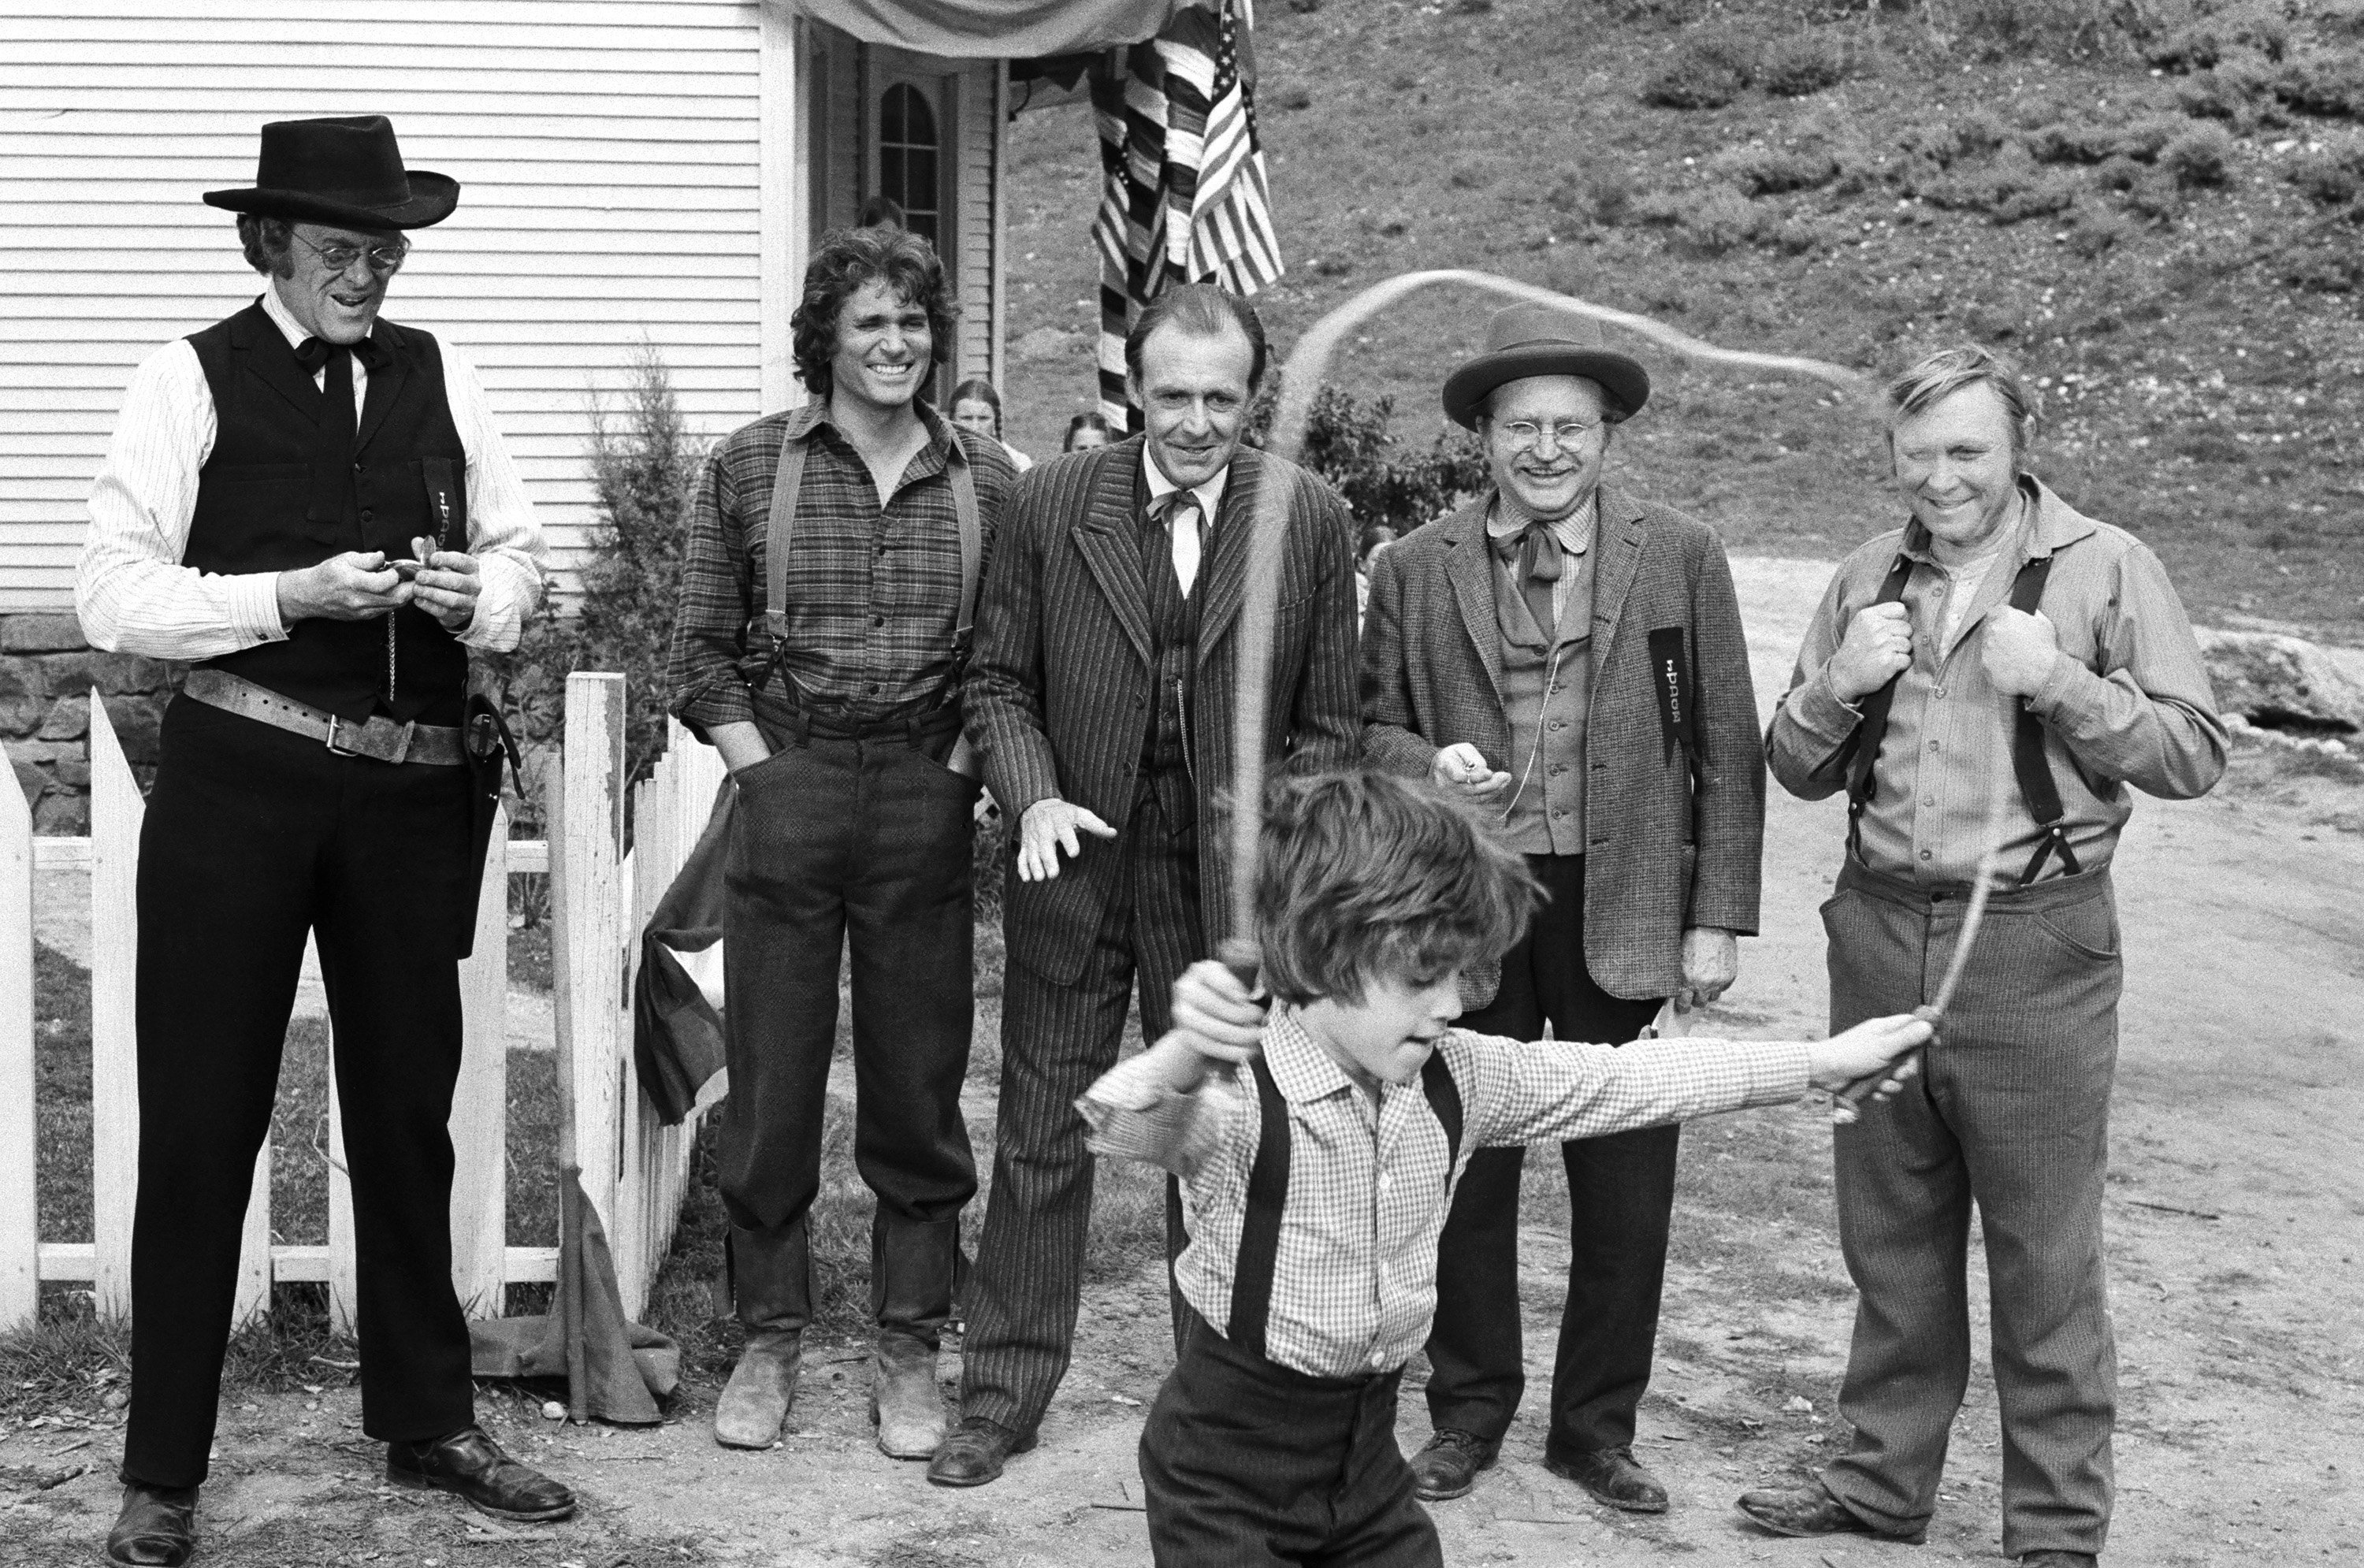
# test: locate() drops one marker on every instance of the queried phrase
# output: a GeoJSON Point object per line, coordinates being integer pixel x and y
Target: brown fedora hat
{"type": "Point", "coordinates": [1542, 339]}
{"type": "Point", "coordinates": [346, 171]}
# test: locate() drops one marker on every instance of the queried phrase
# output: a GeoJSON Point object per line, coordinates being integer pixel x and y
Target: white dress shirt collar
{"type": "Point", "coordinates": [284, 319]}
{"type": "Point", "coordinates": [1210, 494]}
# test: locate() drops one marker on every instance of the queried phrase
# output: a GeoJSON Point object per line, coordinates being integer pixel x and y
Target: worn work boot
{"type": "Point", "coordinates": [157, 1529]}
{"type": "Point", "coordinates": [771, 1280]}
{"type": "Point", "coordinates": [1613, 1475]}
{"type": "Point", "coordinates": [906, 1405]}
{"type": "Point", "coordinates": [1447, 1468]}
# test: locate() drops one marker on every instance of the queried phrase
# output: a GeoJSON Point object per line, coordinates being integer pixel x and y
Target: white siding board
{"type": "Point", "coordinates": [624, 137]}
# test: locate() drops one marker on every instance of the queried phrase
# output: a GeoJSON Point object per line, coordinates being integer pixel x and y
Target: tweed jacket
{"type": "Point", "coordinates": [1058, 689]}
{"type": "Point", "coordinates": [1671, 841]}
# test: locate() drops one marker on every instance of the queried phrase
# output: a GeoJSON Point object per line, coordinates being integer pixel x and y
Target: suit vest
{"type": "Point", "coordinates": [262, 507]}
{"type": "Point", "coordinates": [1166, 762]}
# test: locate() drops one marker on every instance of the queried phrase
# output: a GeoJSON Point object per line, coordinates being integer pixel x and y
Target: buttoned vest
{"type": "Point", "coordinates": [1165, 760]}
{"type": "Point", "coordinates": [1546, 696]}
{"type": "Point", "coordinates": [261, 506]}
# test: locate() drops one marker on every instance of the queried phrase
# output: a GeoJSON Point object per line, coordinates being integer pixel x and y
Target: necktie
{"type": "Point", "coordinates": [1183, 517]}
{"type": "Point", "coordinates": [333, 442]}
{"type": "Point", "coordinates": [1533, 555]}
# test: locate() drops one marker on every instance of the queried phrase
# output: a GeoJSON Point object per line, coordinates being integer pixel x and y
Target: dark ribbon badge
{"type": "Point", "coordinates": [1670, 672]}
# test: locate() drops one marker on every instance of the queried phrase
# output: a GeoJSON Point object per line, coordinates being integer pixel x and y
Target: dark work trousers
{"type": "Point", "coordinates": [1620, 1198]}
{"type": "Point", "coordinates": [861, 843]}
{"type": "Point", "coordinates": [1056, 1041]}
{"type": "Point", "coordinates": [1245, 1462]}
{"type": "Point", "coordinates": [2010, 1112]}
{"type": "Point", "coordinates": [254, 837]}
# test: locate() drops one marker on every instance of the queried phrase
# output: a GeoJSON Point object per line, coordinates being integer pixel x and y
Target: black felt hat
{"type": "Point", "coordinates": [347, 171]}
{"type": "Point", "coordinates": [1536, 338]}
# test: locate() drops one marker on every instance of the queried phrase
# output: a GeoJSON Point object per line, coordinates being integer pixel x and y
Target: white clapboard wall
{"type": "Point", "coordinates": [626, 177]}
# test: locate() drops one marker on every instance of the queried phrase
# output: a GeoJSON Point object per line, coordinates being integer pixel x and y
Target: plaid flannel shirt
{"type": "Point", "coordinates": [1354, 1285]}
{"type": "Point", "coordinates": [873, 591]}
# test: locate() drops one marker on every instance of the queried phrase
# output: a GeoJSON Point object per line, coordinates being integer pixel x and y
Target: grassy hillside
{"type": "Point", "coordinates": [2158, 209]}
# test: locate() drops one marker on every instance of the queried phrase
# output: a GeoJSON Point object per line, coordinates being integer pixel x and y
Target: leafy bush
{"type": "Point", "coordinates": [1710, 69]}
{"type": "Point", "coordinates": [1347, 442]}
{"type": "Point", "coordinates": [2097, 231]}
{"type": "Point", "coordinates": [1802, 64]}
{"type": "Point", "coordinates": [2155, 194]}
{"type": "Point", "coordinates": [1769, 170]}
{"type": "Point", "coordinates": [644, 471]}
{"type": "Point", "coordinates": [2243, 91]}
{"type": "Point", "coordinates": [1717, 221]}
{"type": "Point", "coordinates": [2071, 142]}
{"type": "Point", "coordinates": [1999, 28]}
{"type": "Point", "coordinates": [2198, 157]}
{"type": "Point", "coordinates": [2329, 86]}
{"type": "Point", "coordinates": [2334, 176]}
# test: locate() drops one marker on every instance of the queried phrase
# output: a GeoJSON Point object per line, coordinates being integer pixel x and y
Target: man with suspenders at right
{"type": "Point", "coordinates": [827, 673]}
{"type": "Point", "coordinates": [1990, 679]}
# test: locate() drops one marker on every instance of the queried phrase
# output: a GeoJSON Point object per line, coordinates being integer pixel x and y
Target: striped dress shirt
{"type": "Point", "coordinates": [873, 591]}
{"type": "Point", "coordinates": [1369, 1186]}
{"type": "Point", "coordinates": [135, 596]}
{"type": "Point", "coordinates": [2128, 703]}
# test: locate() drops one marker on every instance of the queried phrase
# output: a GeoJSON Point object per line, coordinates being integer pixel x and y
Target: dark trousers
{"type": "Point", "coordinates": [1620, 1199]}
{"type": "Point", "coordinates": [1245, 1462]}
{"type": "Point", "coordinates": [2010, 1112]}
{"type": "Point", "coordinates": [253, 838]}
{"type": "Point", "coordinates": [861, 844]}
{"type": "Point", "coordinates": [1055, 1040]}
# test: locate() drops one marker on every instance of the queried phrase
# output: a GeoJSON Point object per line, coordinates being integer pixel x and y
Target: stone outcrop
{"type": "Point", "coordinates": [2282, 682]}
{"type": "Point", "coordinates": [46, 676]}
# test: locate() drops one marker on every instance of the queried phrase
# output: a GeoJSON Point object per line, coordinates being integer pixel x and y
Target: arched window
{"type": "Point", "coordinates": [908, 149]}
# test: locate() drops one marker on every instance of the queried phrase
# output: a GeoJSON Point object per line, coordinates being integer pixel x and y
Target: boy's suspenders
{"type": "Point", "coordinates": [2037, 785]}
{"type": "Point", "coordinates": [779, 528]}
{"type": "Point", "coordinates": [1268, 1192]}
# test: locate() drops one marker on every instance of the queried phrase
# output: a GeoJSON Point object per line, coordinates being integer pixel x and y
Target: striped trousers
{"type": "Point", "coordinates": [2010, 1112]}
{"type": "Point", "coordinates": [1027, 1286]}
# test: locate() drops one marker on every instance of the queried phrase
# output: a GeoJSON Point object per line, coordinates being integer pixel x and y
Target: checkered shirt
{"type": "Point", "coordinates": [1354, 1285]}
{"type": "Point", "coordinates": [873, 591]}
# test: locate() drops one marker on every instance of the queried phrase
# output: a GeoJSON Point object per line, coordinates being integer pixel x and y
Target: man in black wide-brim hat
{"type": "Point", "coordinates": [310, 506]}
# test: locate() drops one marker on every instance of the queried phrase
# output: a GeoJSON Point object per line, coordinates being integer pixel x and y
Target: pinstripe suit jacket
{"type": "Point", "coordinates": [1665, 849]}
{"type": "Point", "coordinates": [1058, 691]}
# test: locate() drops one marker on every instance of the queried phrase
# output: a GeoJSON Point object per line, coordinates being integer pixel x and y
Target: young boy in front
{"type": "Point", "coordinates": [1318, 1180]}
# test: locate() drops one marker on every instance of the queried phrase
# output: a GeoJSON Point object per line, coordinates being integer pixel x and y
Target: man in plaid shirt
{"type": "Point", "coordinates": [1317, 1178]}
{"type": "Point", "coordinates": [826, 669]}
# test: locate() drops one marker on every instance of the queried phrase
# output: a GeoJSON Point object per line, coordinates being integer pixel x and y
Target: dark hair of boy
{"type": "Point", "coordinates": [882, 212]}
{"type": "Point", "coordinates": [1368, 877]}
{"type": "Point", "coordinates": [1081, 423]}
{"type": "Point", "coordinates": [849, 258]}
{"type": "Point", "coordinates": [1202, 310]}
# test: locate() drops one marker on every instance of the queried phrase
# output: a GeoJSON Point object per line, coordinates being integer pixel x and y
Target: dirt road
{"type": "Point", "coordinates": [2237, 1226]}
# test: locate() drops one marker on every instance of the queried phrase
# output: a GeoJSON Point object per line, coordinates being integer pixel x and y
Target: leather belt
{"type": "Point", "coordinates": [381, 738]}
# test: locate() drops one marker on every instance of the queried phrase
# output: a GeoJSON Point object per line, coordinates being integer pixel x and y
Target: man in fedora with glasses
{"type": "Point", "coordinates": [310, 506]}
{"type": "Point", "coordinates": [1568, 660]}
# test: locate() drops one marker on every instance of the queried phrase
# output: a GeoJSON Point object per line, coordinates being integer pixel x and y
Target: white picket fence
{"type": "Point", "coordinates": [633, 1168]}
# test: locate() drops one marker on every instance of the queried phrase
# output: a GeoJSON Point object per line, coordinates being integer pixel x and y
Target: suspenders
{"type": "Point", "coordinates": [779, 528]}
{"type": "Point", "coordinates": [1268, 1192]}
{"type": "Point", "coordinates": [2037, 785]}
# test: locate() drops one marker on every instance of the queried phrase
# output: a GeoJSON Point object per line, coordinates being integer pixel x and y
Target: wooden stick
{"type": "Point", "coordinates": [1301, 378]}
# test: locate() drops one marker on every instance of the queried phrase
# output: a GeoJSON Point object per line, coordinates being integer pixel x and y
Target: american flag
{"type": "Point", "coordinates": [1183, 197]}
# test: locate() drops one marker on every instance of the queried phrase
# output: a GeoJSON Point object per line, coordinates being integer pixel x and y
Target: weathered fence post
{"type": "Point", "coordinates": [586, 877]}
{"type": "Point", "coordinates": [480, 1101]}
{"type": "Point", "coordinates": [117, 809]}
{"type": "Point", "coordinates": [20, 1236]}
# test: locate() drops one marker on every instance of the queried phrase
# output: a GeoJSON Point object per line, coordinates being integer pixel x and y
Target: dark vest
{"type": "Point", "coordinates": [261, 507]}
{"type": "Point", "coordinates": [1166, 760]}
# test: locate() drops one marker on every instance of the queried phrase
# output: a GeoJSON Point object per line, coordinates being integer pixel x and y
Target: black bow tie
{"type": "Point", "coordinates": [313, 352]}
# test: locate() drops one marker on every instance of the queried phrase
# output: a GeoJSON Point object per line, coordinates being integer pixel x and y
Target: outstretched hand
{"type": "Point", "coordinates": [1869, 1051]}
{"type": "Point", "coordinates": [1048, 827]}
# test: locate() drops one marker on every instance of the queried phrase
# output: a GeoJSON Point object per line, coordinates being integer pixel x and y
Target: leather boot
{"type": "Point", "coordinates": [906, 1403]}
{"type": "Point", "coordinates": [912, 1271]}
{"type": "Point", "coordinates": [771, 1280]}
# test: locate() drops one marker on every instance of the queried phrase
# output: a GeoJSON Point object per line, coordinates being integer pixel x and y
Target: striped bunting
{"type": "Point", "coordinates": [1184, 196]}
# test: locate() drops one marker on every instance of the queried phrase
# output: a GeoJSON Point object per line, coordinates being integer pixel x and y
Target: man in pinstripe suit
{"type": "Point", "coordinates": [1101, 699]}
{"type": "Point", "coordinates": [1571, 658]}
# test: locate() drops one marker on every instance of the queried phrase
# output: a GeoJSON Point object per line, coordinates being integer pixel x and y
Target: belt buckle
{"type": "Point", "coordinates": [393, 750]}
